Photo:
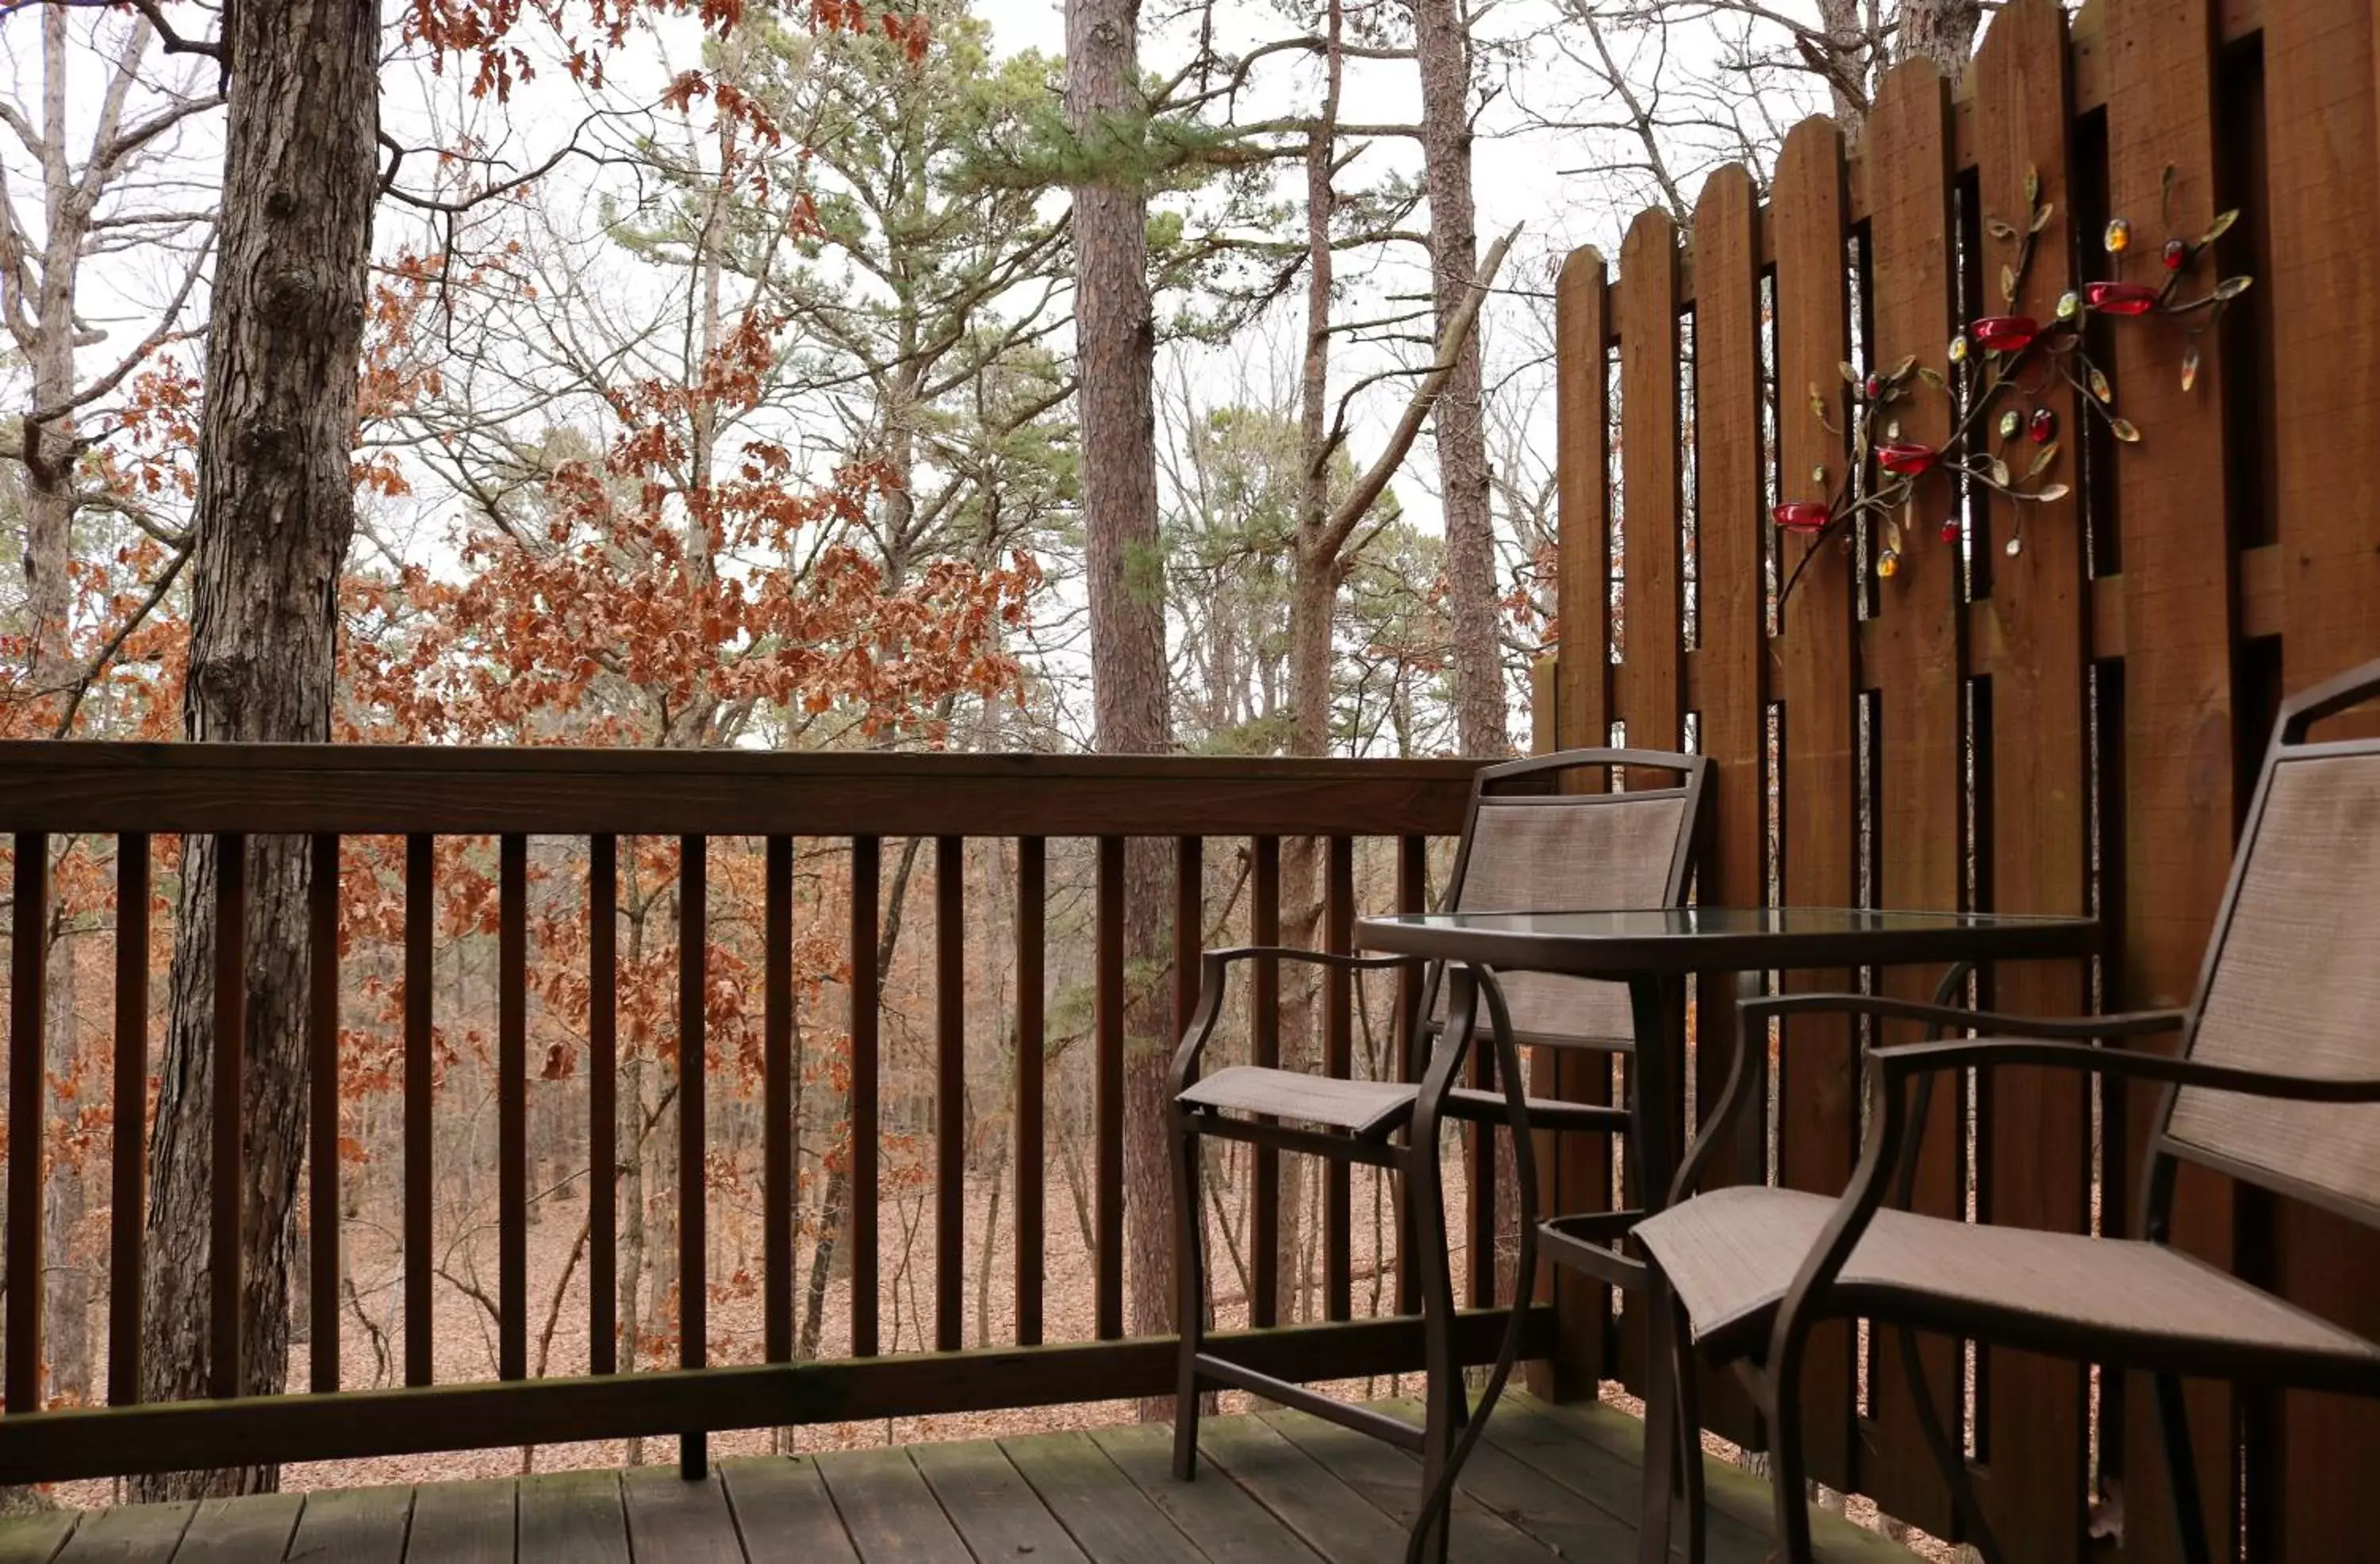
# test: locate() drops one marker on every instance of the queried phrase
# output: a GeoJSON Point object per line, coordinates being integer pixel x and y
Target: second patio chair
{"type": "Point", "coordinates": [2277, 1085]}
{"type": "Point", "coordinates": [1527, 844]}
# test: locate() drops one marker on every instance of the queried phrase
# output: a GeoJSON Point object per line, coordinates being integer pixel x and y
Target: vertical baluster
{"type": "Point", "coordinates": [1413, 892]}
{"type": "Point", "coordinates": [1339, 1061]}
{"type": "Point", "coordinates": [224, 1172]}
{"type": "Point", "coordinates": [867, 871]}
{"type": "Point", "coordinates": [693, 1188]}
{"type": "Point", "coordinates": [1264, 1047]}
{"type": "Point", "coordinates": [950, 1089]}
{"type": "Point", "coordinates": [28, 1094]}
{"type": "Point", "coordinates": [129, 1196]}
{"type": "Point", "coordinates": [1479, 1177]}
{"type": "Point", "coordinates": [777, 1106]}
{"type": "Point", "coordinates": [1032, 894]}
{"type": "Point", "coordinates": [512, 1108]}
{"type": "Point", "coordinates": [602, 1104]}
{"type": "Point", "coordinates": [420, 873]}
{"type": "Point", "coordinates": [321, 1112]}
{"type": "Point", "coordinates": [1189, 940]}
{"type": "Point", "coordinates": [1107, 1024]}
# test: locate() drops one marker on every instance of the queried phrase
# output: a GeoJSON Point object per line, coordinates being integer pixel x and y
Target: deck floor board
{"type": "Point", "coordinates": [1278, 1487]}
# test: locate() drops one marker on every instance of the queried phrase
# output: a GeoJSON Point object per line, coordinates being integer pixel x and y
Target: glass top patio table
{"type": "Point", "coordinates": [1621, 943]}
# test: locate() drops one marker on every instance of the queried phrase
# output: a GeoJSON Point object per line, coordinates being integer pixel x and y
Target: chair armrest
{"type": "Point", "coordinates": [1215, 968]}
{"type": "Point", "coordinates": [2080, 1028]}
{"type": "Point", "coordinates": [1908, 1060]}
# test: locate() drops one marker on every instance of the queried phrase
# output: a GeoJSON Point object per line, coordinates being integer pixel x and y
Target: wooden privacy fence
{"type": "Point", "coordinates": [317, 796]}
{"type": "Point", "coordinates": [2061, 729]}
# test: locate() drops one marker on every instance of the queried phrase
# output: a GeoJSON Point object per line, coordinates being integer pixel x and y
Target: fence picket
{"type": "Point", "coordinates": [1819, 672]}
{"type": "Point", "coordinates": [2323, 196]}
{"type": "Point", "coordinates": [1917, 763]}
{"type": "Point", "coordinates": [1731, 532]}
{"type": "Point", "coordinates": [2035, 1125]}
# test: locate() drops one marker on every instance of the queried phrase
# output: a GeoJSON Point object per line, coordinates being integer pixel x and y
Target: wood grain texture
{"type": "Point", "coordinates": [1032, 1054]}
{"type": "Point", "coordinates": [1101, 1508]}
{"type": "Point", "coordinates": [512, 1108]}
{"type": "Point", "coordinates": [1919, 709]}
{"type": "Point", "coordinates": [324, 1213]}
{"type": "Point", "coordinates": [2181, 737]}
{"type": "Point", "coordinates": [1389, 1481]}
{"type": "Point", "coordinates": [1816, 656]}
{"type": "Point", "coordinates": [1107, 1089]}
{"type": "Point", "coordinates": [2036, 1123]}
{"type": "Point", "coordinates": [1732, 533]}
{"type": "Point", "coordinates": [353, 1526]}
{"type": "Point", "coordinates": [226, 1114]}
{"type": "Point", "coordinates": [128, 1195]}
{"type": "Point", "coordinates": [420, 930]}
{"type": "Point", "coordinates": [1339, 1061]}
{"type": "Point", "coordinates": [782, 1512]}
{"type": "Point", "coordinates": [29, 1096]}
{"type": "Point", "coordinates": [572, 1518]}
{"type": "Point", "coordinates": [1649, 684]}
{"type": "Point", "coordinates": [354, 790]}
{"type": "Point", "coordinates": [888, 1510]}
{"type": "Point", "coordinates": [860, 1231]}
{"type": "Point", "coordinates": [61, 1446]}
{"type": "Point", "coordinates": [240, 1531]}
{"type": "Point", "coordinates": [2323, 195]}
{"type": "Point", "coordinates": [950, 1091]}
{"type": "Point", "coordinates": [466, 1522]}
{"type": "Point", "coordinates": [1322, 1511]}
{"type": "Point", "coordinates": [677, 1521]}
{"type": "Point", "coordinates": [777, 1178]}
{"type": "Point", "coordinates": [138, 1533]}
{"type": "Point", "coordinates": [1264, 1047]}
{"type": "Point", "coordinates": [996, 1511]}
{"type": "Point", "coordinates": [602, 1103]}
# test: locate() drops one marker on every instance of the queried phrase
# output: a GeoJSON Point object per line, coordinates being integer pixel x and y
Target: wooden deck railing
{"type": "Point", "coordinates": [231, 793]}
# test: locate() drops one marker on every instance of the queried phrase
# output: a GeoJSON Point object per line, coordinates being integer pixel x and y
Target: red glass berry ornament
{"type": "Point", "coordinates": [2005, 334]}
{"type": "Point", "coordinates": [1801, 516]}
{"type": "Point", "coordinates": [1950, 532]}
{"type": "Point", "coordinates": [2044, 425]}
{"type": "Point", "coordinates": [2175, 254]}
{"type": "Point", "coordinates": [1907, 458]}
{"type": "Point", "coordinates": [2120, 298]}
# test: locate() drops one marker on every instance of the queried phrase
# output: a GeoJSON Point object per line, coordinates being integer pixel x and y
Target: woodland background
{"type": "Point", "coordinates": [1136, 377]}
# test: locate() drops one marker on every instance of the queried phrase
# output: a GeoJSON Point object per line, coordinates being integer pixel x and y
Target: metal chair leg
{"type": "Point", "coordinates": [1192, 1305]}
{"type": "Point", "coordinates": [1662, 1431]}
{"type": "Point", "coordinates": [1690, 1422]}
{"type": "Point", "coordinates": [1442, 1392]}
{"type": "Point", "coordinates": [1788, 1476]}
{"type": "Point", "coordinates": [2182, 1470]}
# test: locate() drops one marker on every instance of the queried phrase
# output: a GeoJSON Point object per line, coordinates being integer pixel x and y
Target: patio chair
{"type": "Point", "coordinates": [2277, 1083]}
{"type": "Point", "coordinates": [1526, 843]}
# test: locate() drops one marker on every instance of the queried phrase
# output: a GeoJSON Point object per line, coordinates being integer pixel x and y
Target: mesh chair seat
{"type": "Point", "coordinates": [1730, 1256]}
{"type": "Point", "coordinates": [1364, 1108]}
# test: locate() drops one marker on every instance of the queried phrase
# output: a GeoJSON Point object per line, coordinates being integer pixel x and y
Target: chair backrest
{"type": "Point", "coordinates": [2292, 977]}
{"type": "Point", "coordinates": [1532, 842]}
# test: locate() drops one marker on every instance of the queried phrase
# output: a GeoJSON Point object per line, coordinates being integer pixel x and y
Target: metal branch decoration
{"type": "Point", "coordinates": [2001, 437]}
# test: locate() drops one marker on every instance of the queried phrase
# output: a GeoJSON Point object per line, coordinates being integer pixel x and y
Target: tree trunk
{"type": "Point", "coordinates": [1941, 30]}
{"type": "Point", "coordinates": [275, 512]}
{"type": "Point", "coordinates": [1116, 346]}
{"type": "Point", "coordinates": [1442, 45]}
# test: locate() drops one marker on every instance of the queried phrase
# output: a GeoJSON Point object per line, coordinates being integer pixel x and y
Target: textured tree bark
{"type": "Point", "coordinates": [275, 512]}
{"type": "Point", "coordinates": [1116, 350]}
{"type": "Point", "coordinates": [1442, 46]}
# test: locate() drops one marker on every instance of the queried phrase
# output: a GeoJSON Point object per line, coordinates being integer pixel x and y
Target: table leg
{"type": "Point", "coordinates": [1653, 1073]}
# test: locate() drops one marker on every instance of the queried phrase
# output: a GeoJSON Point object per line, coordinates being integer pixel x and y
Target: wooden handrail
{"type": "Point", "coordinates": [239, 800]}
{"type": "Point", "coordinates": [350, 789]}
